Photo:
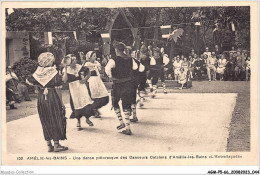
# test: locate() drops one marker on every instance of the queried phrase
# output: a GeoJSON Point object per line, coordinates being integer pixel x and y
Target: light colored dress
{"type": "Point", "coordinates": [177, 66]}
{"type": "Point", "coordinates": [96, 85]}
{"type": "Point", "coordinates": [221, 66]}
{"type": "Point", "coordinates": [182, 77]}
{"type": "Point", "coordinates": [78, 91]}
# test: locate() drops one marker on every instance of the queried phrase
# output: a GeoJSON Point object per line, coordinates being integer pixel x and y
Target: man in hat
{"type": "Point", "coordinates": [120, 70]}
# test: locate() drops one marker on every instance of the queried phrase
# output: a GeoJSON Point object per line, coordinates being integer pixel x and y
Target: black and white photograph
{"type": "Point", "coordinates": [138, 81]}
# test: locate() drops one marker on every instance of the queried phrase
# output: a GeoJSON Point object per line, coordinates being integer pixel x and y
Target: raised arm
{"type": "Point", "coordinates": [108, 69]}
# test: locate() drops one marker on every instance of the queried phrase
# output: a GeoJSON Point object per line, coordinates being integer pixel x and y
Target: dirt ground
{"type": "Point", "coordinates": [239, 131]}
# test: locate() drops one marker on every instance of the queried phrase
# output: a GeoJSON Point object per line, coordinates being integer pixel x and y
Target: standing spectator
{"type": "Point", "coordinates": [247, 68]}
{"type": "Point", "coordinates": [192, 54]}
{"type": "Point", "coordinates": [240, 65]}
{"type": "Point", "coordinates": [186, 65]}
{"type": "Point", "coordinates": [221, 66]}
{"type": "Point", "coordinates": [211, 61]}
{"type": "Point", "coordinates": [207, 52]}
{"type": "Point", "coordinates": [217, 50]}
{"type": "Point", "coordinates": [192, 61]}
{"type": "Point", "coordinates": [198, 65]}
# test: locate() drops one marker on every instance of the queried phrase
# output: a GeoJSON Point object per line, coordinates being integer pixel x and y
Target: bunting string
{"type": "Point", "coordinates": [126, 28]}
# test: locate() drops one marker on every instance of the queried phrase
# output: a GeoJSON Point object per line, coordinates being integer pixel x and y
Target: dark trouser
{"type": "Point", "coordinates": [198, 73]}
{"type": "Point", "coordinates": [142, 81]}
{"type": "Point", "coordinates": [10, 95]}
{"type": "Point", "coordinates": [123, 91]}
{"type": "Point", "coordinates": [229, 74]}
{"type": "Point", "coordinates": [154, 75]}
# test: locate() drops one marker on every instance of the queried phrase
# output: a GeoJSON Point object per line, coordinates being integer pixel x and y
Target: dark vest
{"type": "Point", "coordinates": [123, 68]}
{"type": "Point", "coordinates": [159, 63]}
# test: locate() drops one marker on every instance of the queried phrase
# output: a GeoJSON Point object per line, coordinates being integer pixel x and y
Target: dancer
{"type": "Point", "coordinates": [158, 61]}
{"type": "Point", "coordinates": [119, 69]}
{"type": "Point", "coordinates": [80, 101]}
{"type": "Point", "coordinates": [49, 104]}
{"type": "Point", "coordinates": [138, 70]}
{"type": "Point", "coordinates": [143, 57]}
{"type": "Point", "coordinates": [97, 88]}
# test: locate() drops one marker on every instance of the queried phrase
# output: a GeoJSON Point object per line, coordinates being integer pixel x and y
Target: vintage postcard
{"type": "Point", "coordinates": [129, 83]}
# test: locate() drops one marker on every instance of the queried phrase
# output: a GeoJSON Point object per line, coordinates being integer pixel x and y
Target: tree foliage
{"type": "Point", "coordinates": [85, 20]}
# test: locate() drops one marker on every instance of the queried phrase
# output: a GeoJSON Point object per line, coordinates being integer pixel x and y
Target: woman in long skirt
{"type": "Point", "coordinates": [98, 91]}
{"type": "Point", "coordinates": [49, 105]}
{"type": "Point", "coordinates": [80, 100]}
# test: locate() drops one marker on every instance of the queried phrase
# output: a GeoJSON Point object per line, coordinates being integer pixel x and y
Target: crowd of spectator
{"type": "Point", "coordinates": [214, 65]}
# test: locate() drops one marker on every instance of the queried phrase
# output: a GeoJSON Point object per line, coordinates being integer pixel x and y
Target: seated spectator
{"type": "Point", "coordinates": [19, 87]}
{"type": "Point", "coordinates": [198, 64]}
{"type": "Point", "coordinates": [211, 61]}
{"type": "Point", "coordinates": [221, 66]}
{"type": "Point", "coordinates": [177, 65]}
{"type": "Point", "coordinates": [182, 77]}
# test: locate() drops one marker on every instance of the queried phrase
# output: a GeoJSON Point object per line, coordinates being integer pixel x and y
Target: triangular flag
{"type": "Point", "coordinates": [197, 23]}
{"type": "Point", "coordinates": [10, 10]}
{"type": "Point", "coordinates": [135, 31]}
{"type": "Point", "coordinates": [105, 37]}
{"type": "Point", "coordinates": [166, 36]}
{"type": "Point", "coordinates": [165, 30]}
{"type": "Point", "coordinates": [48, 38]}
{"type": "Point", "coordinates": [233, 26]}
{"type": "Point", "coordinates": [75, 35]}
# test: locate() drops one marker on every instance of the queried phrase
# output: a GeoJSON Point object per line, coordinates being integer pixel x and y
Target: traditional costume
{"type": "Point", "coordinates": [98, 91]}
{"type": "Point", "coordinates": [80, 100]}
{"type": "Point", "coordinates": [49, 105]}
{"type": "Point", "coordinates": [120, 70]}
{"type": "Point", "coordinates": [144, 59]}
{"type": "Point", "coordinates": [157, 64]}
{"type": "Point", "coordinates": [138, 70]}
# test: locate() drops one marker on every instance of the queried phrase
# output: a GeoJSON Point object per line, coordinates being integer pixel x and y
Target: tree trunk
{"type": "Point", "coordinates": [156, 29]}
{"type": "Point", "coordinates": [172, 53]}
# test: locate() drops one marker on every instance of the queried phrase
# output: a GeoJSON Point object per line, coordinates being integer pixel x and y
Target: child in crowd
{"type": "Point", "coordinates": [182, 77]}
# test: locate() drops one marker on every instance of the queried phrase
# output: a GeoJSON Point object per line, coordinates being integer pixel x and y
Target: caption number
{"type": "Point", "coordinates": [19, 158]}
